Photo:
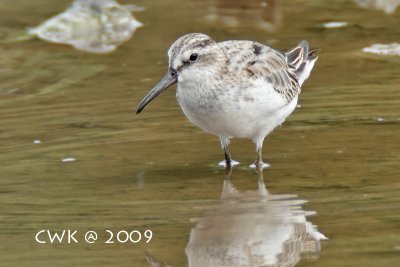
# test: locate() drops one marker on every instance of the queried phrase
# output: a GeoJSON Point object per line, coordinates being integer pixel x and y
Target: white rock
{"type": "Point", "coordinates": [96, 26]}
{"type": "Point", "coordinates": [388, 6]}
{"type": "Point", "coordinates": [70, 159]}
{"type": "Point", "coordinates": [335, 24]}
{"type": "Point", "coordinates": [383, 49]}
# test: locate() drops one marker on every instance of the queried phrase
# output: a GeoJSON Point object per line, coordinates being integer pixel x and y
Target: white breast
{"type": "Point", "coordinates": [251, 112]}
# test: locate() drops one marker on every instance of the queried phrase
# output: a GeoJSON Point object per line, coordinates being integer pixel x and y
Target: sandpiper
{"type": "Point", "coordinates": [235, 89]}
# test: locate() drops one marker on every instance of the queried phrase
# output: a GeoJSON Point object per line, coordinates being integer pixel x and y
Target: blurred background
{"type": "Point", "coordinates": [75, 156]}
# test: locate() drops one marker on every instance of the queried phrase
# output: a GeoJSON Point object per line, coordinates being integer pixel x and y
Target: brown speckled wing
{"type": "Point", "coordinates": [259, 61]}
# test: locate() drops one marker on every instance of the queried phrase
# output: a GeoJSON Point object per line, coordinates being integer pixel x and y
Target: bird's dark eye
{"type": "Point", "coordinates": [172, 72]}
{"type": "Point", "coordinates": [193, 57]}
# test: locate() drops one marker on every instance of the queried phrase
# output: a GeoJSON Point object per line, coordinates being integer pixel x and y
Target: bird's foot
{"type": "Point", "coordinates": [233, 163]}
{"type": "Point", "coordinates": [262, 165]}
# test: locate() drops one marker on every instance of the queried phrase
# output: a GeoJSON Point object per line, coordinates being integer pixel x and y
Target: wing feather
{"type": "Point", "coordinates": [272, 66]}
{"type": "Point", "coordinates": [285, 71]}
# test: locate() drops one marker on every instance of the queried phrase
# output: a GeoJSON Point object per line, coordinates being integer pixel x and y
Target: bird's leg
{"type": "Point", "coordinates": [227, 156]}
{"type": "Point", "coordinates": [259, 164]}
{"type": "Point", "coordinates": [227, 162]}
{"type": "Point", "coordinates": [259, 161]}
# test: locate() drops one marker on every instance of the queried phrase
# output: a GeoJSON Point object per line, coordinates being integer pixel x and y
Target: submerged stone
{"type": "Point", "coordinates": [97, 26]}
{"type": "Point", "coordinates": [335, 24]}
{"type": "Point", "coordinates": [387, 6]}
{"type": "Point", "coordinates": [383, 49]}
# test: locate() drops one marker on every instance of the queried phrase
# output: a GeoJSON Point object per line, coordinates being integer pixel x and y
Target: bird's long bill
{"type": "Point", "coordinates": [166, 82]}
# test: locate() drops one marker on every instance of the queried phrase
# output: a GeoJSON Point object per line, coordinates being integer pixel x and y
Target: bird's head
{"type": "Point", "coordinates": [191, 58]}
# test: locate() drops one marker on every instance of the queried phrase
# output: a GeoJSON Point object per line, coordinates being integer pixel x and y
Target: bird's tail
{"type": "Point", "coordinates": [302, 60]}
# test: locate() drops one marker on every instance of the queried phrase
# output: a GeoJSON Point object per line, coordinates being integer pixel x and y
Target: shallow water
{"type": "Point", "coordinates": [339, 151]}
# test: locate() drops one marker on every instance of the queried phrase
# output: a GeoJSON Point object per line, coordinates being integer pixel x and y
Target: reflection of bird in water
{"type": "Point", "coordinates": [265, 15]}
{"type": "Point", "coordinates": [388, 6]}
{"type": "Point", "coordinates": [153, 262]}
{"type": "Point", "coordinates": [253, 228]}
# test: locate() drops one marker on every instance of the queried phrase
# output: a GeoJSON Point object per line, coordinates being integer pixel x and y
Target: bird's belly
{"type": "Point", "coordinates": [249, 113]}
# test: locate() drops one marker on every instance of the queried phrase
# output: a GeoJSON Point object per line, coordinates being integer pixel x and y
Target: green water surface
{"type": "Point", "coordinates": [340, 150]}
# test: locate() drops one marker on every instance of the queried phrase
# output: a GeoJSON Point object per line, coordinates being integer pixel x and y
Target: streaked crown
{"type": "Point", "coordinates": [182, 48]}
